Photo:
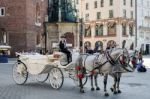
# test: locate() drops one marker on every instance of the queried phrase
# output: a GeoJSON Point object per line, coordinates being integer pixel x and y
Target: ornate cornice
{"type": "Point", "coordinates": [119, 20]}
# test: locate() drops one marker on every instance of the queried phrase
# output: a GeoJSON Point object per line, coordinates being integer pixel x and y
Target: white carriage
{"type": "Point", "coordinates": [45, 67]}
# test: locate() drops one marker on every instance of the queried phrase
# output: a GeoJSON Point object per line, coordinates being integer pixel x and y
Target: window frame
{"type": "Point", "coordinates": [98, 15]}
{"type": "Point", "coordinates": [110, 2]}
{"type": "Point", "coordinates": [2, 8]}
{"type": "Point", "coordinates": [111, 13]}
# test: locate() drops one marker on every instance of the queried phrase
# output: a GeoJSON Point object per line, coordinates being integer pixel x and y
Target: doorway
{"type": "Point", "coordinates": [147, 48]}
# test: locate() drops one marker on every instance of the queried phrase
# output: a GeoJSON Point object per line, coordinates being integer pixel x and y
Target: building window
{"type": "Point", "coordinates": [38, 15]}
{"type": "Point", "coordinates": [2, 11]}
{"type": "Point", "coordinates": [77, 1]}
{"type": "Point", "coordinates": [102, 3]}
{"type": "Point", "coordinates": [124, 13]}
{"type": "Point", "coordinates": [131, 30]}
{"type": "Point", "coordinates": [87, 6]}
{"type": "Point", "coordinates": [99, 30]}
{"type": "Point", "coordinates": [131, 14]}
{"type": "Point", "coordinates": [87, 31]}
{"type": "Point", "coordinates": [3, 36]}
{"type": "Point", "coordinates": [124, 29]}
{"type": "Point", "coordinates": [38, 39]}
{"type": "Point", "coordinates": [98, 15]}
{"type": "Point", "coordinates": [111, 29]}
{"type": "Point", "coordinates": [95, 4]}
{"type": "Point", "coordinates": [110, 2]}
{"type": "Point", "coordinates": [111, 15]}
{"type": "Point", "coordinates": [124, 2]}
{"type": "Point", "coordinates": [87, 16]}
{"type": "Point", "coordinates": [131, 3]}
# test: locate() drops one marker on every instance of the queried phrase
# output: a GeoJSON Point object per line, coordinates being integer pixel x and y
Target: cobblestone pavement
{"type": "Point", "coordinates": [133, 85]}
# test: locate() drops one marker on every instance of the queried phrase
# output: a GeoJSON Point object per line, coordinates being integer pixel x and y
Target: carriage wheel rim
{"type": "Point", "coordinates": [17, 77]}
{"type": "Point", "coordinates": [56, 78]}
{"type": "Point", "coordinates": [42, 79]}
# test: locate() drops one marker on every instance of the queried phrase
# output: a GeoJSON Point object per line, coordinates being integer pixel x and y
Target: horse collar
{"type": "Point", "coordinates": [110, 59]}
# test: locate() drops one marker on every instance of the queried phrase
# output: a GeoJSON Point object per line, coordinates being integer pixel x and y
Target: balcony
{"type": "Point", "coordinates": [144, 28]}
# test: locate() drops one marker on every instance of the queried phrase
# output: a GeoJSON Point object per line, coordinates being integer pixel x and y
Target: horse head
{"type": "Point", "coordinates": [128, 60]}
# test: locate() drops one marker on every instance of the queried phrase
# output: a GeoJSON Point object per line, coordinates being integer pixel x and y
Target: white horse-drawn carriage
{"type": "Point", "coordinates": [52, 67]}
{"type": "Point", "coordinates": [45, 67]}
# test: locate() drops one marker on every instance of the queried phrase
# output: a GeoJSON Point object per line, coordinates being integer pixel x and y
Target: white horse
{"type": "Point", "coordinates": [106, 64]}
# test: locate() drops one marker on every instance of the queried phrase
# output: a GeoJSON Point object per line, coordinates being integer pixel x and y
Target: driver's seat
{"type": "Point", "coordinates": [63, 60]}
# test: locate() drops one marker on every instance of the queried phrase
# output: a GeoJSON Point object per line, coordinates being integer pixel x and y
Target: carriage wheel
{"type": "Point", "coordinates": [20, 73]}
{"type": "Point", "coordinates": [42, 77]}
{"type": "Point", "coordinates": [84, 80]}
{"type": "Point", "coordinates": [56, 78]}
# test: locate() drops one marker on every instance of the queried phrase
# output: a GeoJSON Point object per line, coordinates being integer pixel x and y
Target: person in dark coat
{"type": "Point", "coordinates": [63, 48]}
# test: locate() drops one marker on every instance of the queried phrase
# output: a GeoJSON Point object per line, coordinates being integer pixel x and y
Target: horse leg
{"type": "Point", "coordinates": [105, 84]}
{"type": "Point", "coordinates": [118, 83]}
{"type": "Point", "coordinates": [115, 83]}
{"type": "Point", "coordinates": [92, 88]}
{"type": "Point", "coordinates": [81, 86]}
{"type": "Point", "coordinates": [95, 77]}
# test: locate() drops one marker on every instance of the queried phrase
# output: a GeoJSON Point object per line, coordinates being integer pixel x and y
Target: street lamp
{"type": "Point", "coordinates": [81, 27]}
{"type": "Point", "coordinates": [136, 23]}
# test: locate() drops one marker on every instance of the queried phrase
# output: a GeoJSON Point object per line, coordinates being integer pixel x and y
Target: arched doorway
{"type": "Point", "coordinates": [87, 45]}
{"type": "Point", "coordinates": [123, 43]}
{"type": "Point", "coordinates": [98, 46]}
{"type": "Point", "coordinates": [132, 46]}
{"type": "Point", "coordinates": [69, 38]}
{"type": "Point", "coordinates": [111, 44]}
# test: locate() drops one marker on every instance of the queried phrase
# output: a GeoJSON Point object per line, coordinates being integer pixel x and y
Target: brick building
{"type": "Point", "coordinates": [21, 23]}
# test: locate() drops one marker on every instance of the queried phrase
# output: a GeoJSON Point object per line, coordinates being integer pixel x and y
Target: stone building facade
{"type": "Point", "coordinates": [143, 25]}
{"type": "Point", "coordinates": [107, 22]}
{"type": "Point", "coordinates": [22, 23]}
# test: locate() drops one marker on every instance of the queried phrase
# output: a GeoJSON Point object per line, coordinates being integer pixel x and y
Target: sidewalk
{"type": "Point", "coordinates": [146, 59]}
{"type": "Point", "coordinates": [12, 60]}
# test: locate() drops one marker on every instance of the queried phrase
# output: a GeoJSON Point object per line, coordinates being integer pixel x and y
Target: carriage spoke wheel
{"type": "Point", "coordinates": [20, 73]}
{"type": "Point", "coordinates": [42, 77]}
{"type": "Point", "coordinates": [56, 78]}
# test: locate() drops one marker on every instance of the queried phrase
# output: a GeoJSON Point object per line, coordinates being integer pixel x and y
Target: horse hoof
{"type": "Point", "coordinates": [119, 91]}
{"type": "Point", "coordinates": [115, 92]}
{"type": "Point", "coordinates": [82, 91]}
{"type": "Point", "coordinates": [92, 89]}
{"type": "Point", "coordinates": [97, 88]}
{"type": "Point", "coordinates": [106, 94]}
{"type": "Point", "coordinates": [111, 89]}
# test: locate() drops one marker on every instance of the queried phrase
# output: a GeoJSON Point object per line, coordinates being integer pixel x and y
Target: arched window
{"type": "Point", "coordinates": [132, 46]}
{"type": "Point", "coordinates": [111, 44]}
{"type": "Point", "coordinates": [98, 46]}
{"type": "Point", "coordinates": [87, 45]}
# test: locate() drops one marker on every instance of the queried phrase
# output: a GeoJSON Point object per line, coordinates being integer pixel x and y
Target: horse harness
{"type": "Point", "coordinates": [109, 59]}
